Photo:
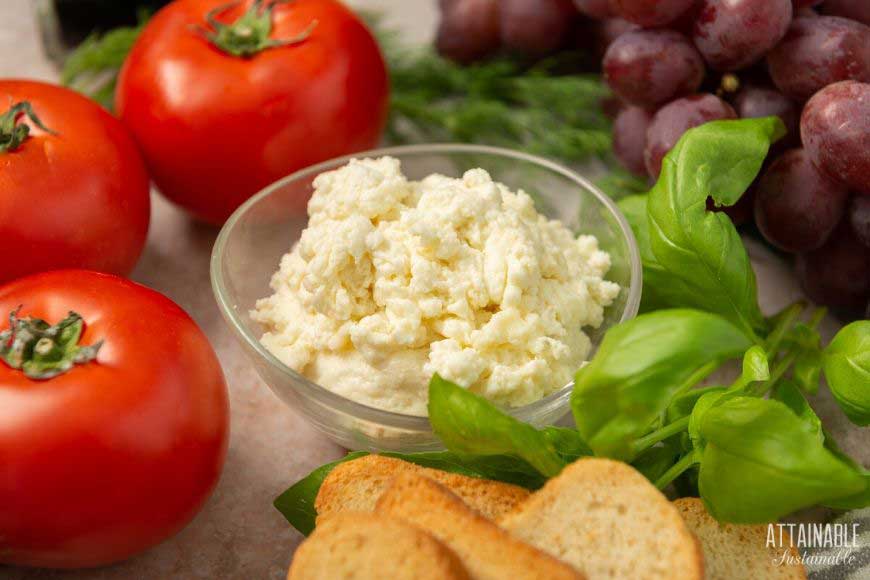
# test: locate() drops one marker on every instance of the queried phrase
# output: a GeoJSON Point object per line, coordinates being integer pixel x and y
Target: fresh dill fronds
{"type": "Point", "coordinates": [497, 102]}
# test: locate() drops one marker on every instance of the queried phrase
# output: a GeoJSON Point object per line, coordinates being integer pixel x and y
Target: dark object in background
{"type": "Point", "coordinates": [64, 24]}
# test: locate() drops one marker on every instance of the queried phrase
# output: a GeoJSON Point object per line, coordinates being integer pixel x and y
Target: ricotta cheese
{"type": "Point", "coordinates": [394, 280]}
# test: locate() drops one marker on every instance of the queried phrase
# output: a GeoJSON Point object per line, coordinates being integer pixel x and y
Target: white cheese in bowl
{"type": "Point", "coordinates": [394, 280]}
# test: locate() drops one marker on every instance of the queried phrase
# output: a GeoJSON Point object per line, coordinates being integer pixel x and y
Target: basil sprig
{"type": "Point", "coordinates": [640, 367]}
{"type": "Point", "coordinates": [701, 251]}
{"type": "Point", "coordinates": [847, 368]}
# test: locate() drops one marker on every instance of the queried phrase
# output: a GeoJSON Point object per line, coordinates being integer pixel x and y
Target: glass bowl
{"type": "Point", "coordinates": [250, 245]}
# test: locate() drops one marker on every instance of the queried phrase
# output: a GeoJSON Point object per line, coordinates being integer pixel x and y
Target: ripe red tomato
{"type": "Point", "coordinates": [77, 198]}
{"type": "Point", "coordinates": [216, 127]}
{"type": "Point", "coordinates": [116, 454]}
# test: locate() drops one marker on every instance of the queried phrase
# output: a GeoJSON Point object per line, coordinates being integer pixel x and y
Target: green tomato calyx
{"type": "Point", "coordinates": [13, 133]}
{"type": "Point", "coordinates": [250, 33]}
{"type": "Point", "coordinates": [43, 351]}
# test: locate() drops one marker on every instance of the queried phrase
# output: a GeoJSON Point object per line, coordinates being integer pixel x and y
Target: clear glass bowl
{"type": "Point", "coordinates": [251, 243]}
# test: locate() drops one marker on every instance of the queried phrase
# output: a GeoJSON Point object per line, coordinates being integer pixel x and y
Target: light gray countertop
{"type": "Point", "coordinates": [239, 534]}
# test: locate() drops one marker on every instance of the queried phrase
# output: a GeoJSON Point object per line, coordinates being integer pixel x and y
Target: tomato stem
{"type": "Point", "coordinates": [13, 134]}
{"type": "Point", "coordinates": [43, 351]}
{"type": "Point", "coordinates": [249, 34]}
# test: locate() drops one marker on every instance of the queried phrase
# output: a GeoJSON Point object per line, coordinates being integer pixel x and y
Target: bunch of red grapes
{"type": "Point", "coordinates": [676, 64]}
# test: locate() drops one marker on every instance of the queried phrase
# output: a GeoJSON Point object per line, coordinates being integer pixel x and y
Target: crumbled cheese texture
{"type": "Point", "coordinates": [394, 280]}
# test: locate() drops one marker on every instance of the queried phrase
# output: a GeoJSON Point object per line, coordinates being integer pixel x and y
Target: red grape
{"type": "Point", "coordinates": [838, 273]}
{"type": "Point", "coordinates": [835, 128]}
{"type": "Point", "coordinates": [611, 106]}
{"type": "Point", "coordinates": [798, 4]}
{"type": "Point", "coordinates": [629, 138]}
{"type": "Point", "coordinates": [651, 13]}
{"type": "Point", "coordinates": [796, 206]}
{"type": "Point", "coordinates": [674, 119]}
{"type": "Point", "coordinates": [595, 8]}
{"type": "Point", "coordinates": [733, 34]}
{"type": "Point", "coordinates": [853, 9]}
{"type": "Point", "coordinates": [651, 67]}
{"type": "Point", "coordinates": [753, 102]}
{"type": "Point", "coordinates": [817, 52]}
{"type": "Point", "coordinates": [607, 31]}
{"type": "Point", "coordinates": [535, 28]}
{"type": "Point", "coordinates": [468, 30]}
{"type": "Point", "coordinates": [859, 218]}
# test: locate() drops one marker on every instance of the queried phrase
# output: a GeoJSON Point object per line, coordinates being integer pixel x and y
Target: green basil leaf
{"type": "Point", "coordinates": [683, 404]}
{"type": "Point", "coordinates": [702, 250]}
{"type": "Point", "coordinates": [704, 404]}
{"type": "Point", "coordinates": [498, 467]}
{"type": "Point", "coordinates": [657, 281]}
{"type": "Point", "coordinates": [762, 462]}
{"type": "Point", "coordinates": [847, 369]}
{"type": "Point", "coordinates": [789, 394]}
{"type": "Point", "coordinates": [297, 503]}
{"type": "Point", "coordinates": [567, 442]}
{"type": "Point", "coordinates": [853, 502]}
{"type": "Point", "coordinates": [856, 501]}
{"type": "Point", "coordinates": [807, 370]}
{"type": "Point", "coordinates": [654, 462]}
{"type": "Point", "coordinates": [469, 424]}
{"type": "Point", "coordinates": [639, 367]}
{"type": "Point", "coordinates": [804, 337]}
{"type": "Point", "coordinates": [755, 367]}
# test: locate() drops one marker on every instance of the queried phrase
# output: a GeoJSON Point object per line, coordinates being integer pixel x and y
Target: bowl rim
{"type": "Point", "coordinates": [375, 414]}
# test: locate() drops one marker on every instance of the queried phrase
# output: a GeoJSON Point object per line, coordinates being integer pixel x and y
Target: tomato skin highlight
{"type": "Point", "coordinates": [215, 128]}
{"type": "Point", "coordinates": [112, 457]}
{"type": "Point", "coordinates": [76, 199]}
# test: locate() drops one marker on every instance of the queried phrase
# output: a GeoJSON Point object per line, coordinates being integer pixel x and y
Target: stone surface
{"type": "Point", "coordinates": [239, 534]}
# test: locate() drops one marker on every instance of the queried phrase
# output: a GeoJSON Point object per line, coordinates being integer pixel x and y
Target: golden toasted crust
{"type": "Point", "coordinates": [737, 552]}
{"type": "Point", "coordinates": [487, 551]}
{"type": "Point", "coordinates": [606, 519]}
{"type": "Point", "coordinates": [357, 485]}
{"type": "Point", "coordinates": [365, 546]}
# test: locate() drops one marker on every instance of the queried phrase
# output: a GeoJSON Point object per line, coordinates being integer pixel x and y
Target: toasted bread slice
{"type": "Point", "coordinates": [357, 485]}
{"type": "Point", "coordinates": [487, 551]}
{"type": "Point", "coordinates": [366, 546]}
{"type": "Point", "coordinates": [737, 552]}
{"type": "Point", "coordinates": [606, 519]}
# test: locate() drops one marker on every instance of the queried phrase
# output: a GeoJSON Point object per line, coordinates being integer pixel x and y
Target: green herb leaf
{"type": "Point", "coordinates": [639, 368]}
{"type": "Point", "coordinates": [683, 404]}
{"type": "Point", "coordinates": [468, 424]}
{"type": "Point", "coordinates": [755, 367]}
{"type": "Point", "coordinates": [762, 462]}
{"type": "Point", "coordinates": [297, 503]}
{"type": "Point", "coordinates": [788, 393]}
{"type": "Point", "coordinates": [853, 502]}
{"type": "Point", "coordinates": [706, 402]}
{"type": "Point", "coordinates": [847, 369]}
{"type": "Point", "coordinates": [505, 468]}
{"type": "Point", "coordinates": [807, 370]}
{"type": "Point", "coordinates": [658, 284]}
{"type": "Point", "coordinates": [701, 250]}
{"type": "Point", "coordinates": [656, 461]}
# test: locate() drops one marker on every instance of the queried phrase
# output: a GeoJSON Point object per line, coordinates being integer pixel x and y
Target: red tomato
{"type": "Point", "coordinates": [215, 127]}
{"type": "Point", "coordinates": [117, 454]}
{"type": "Point", "coordinates": [74, 199]}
